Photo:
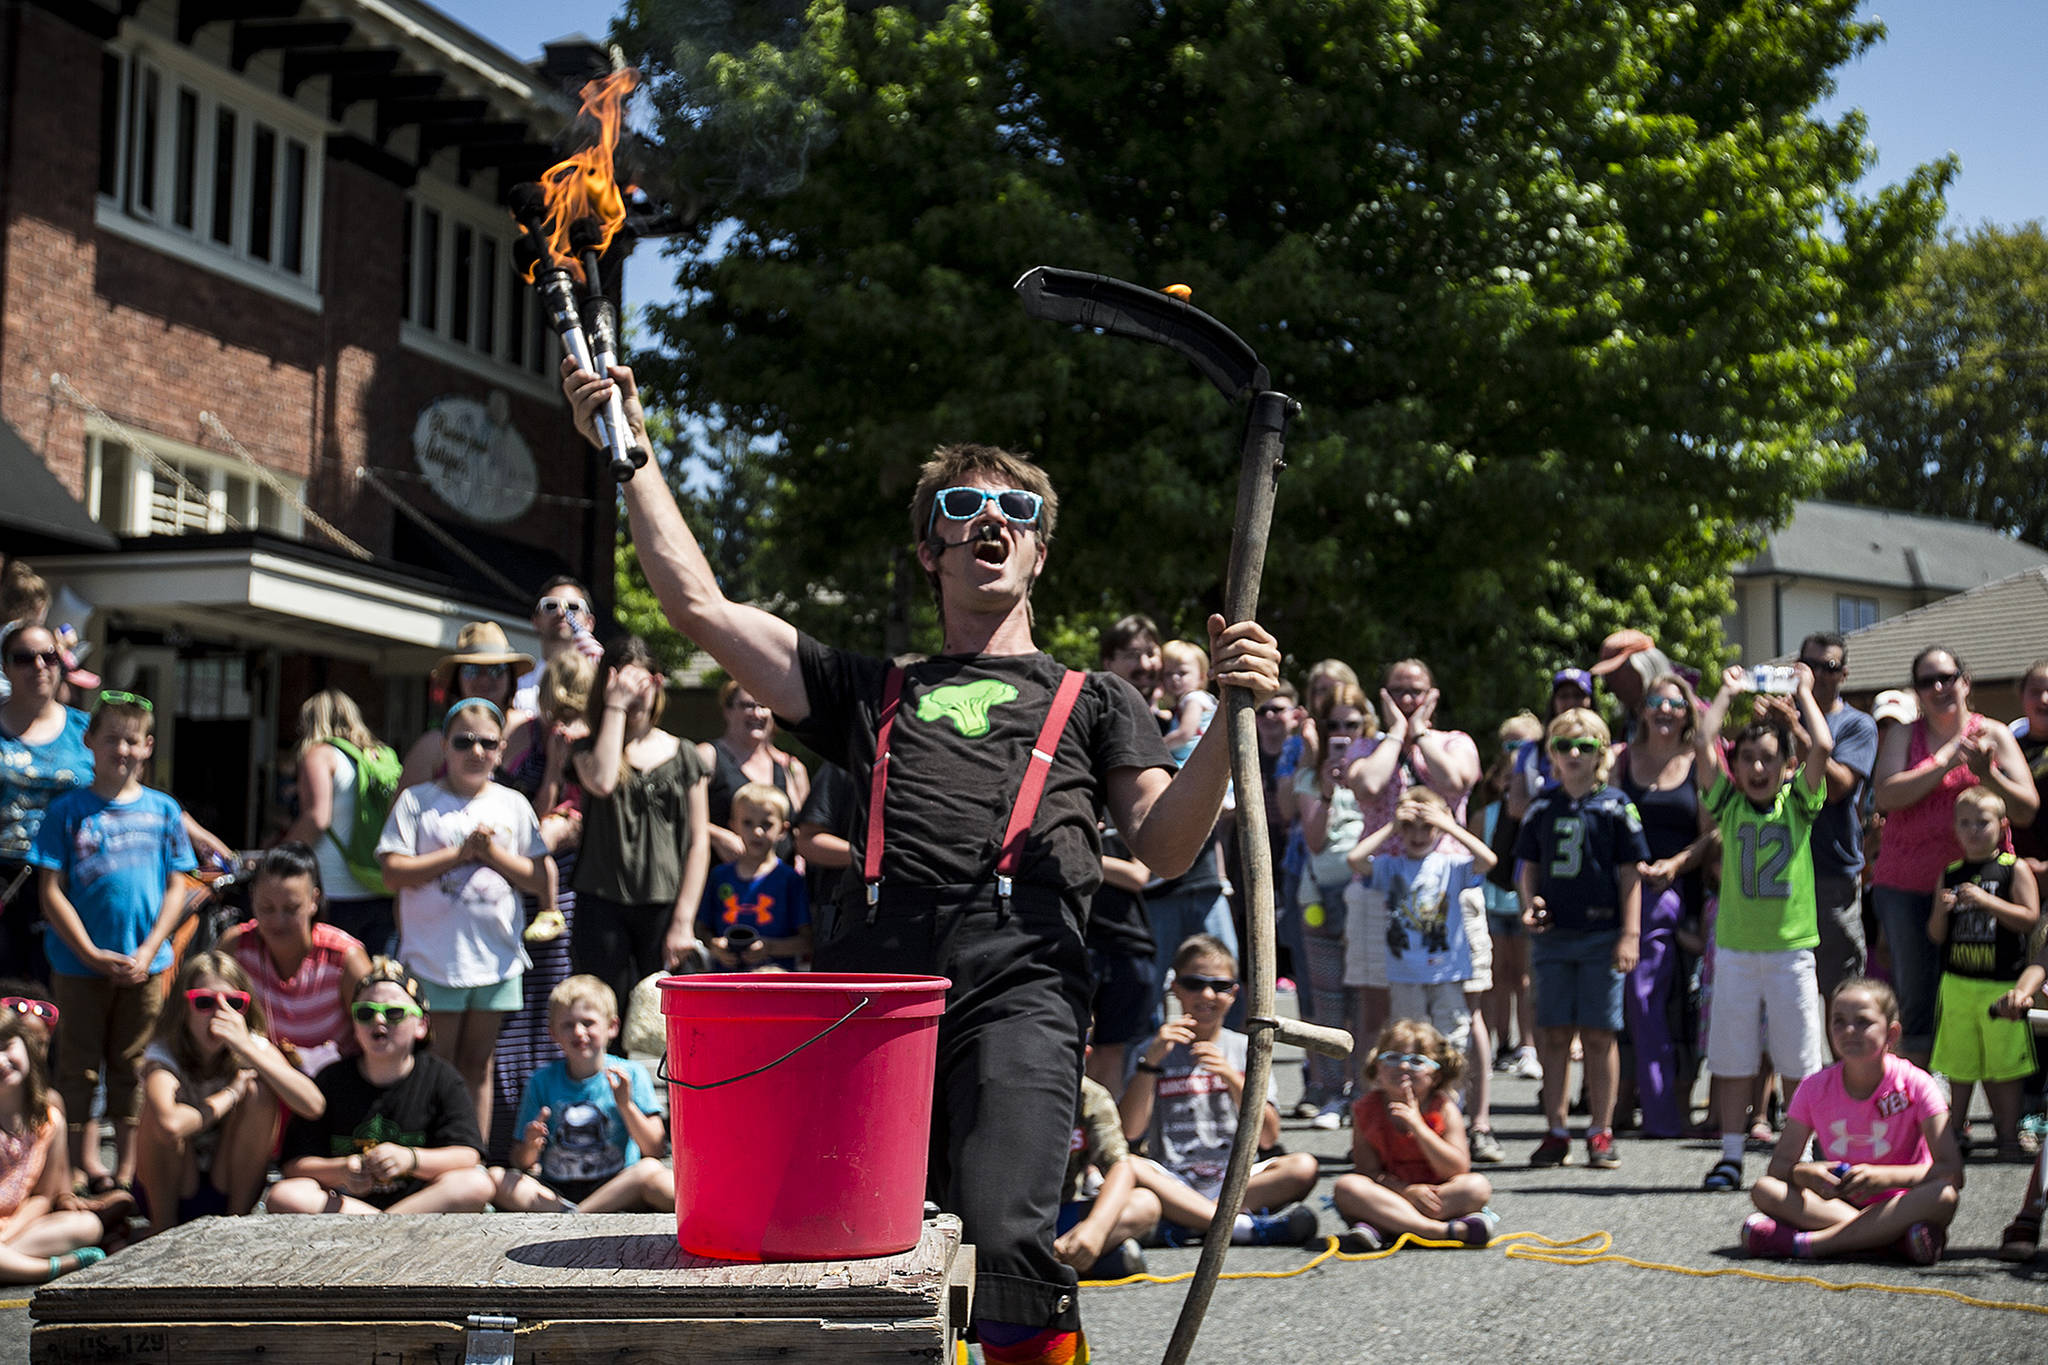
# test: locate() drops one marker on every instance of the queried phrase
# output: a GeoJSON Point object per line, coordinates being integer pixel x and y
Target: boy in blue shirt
{"type": "Point", "coordinates": [586, 1120]}
{"type": "Point", "coordinates": [1582, 898]}
{"type": "Point", "coordinates": [756, 913]}
{"type": "Point", "coordinates": [111, 857]}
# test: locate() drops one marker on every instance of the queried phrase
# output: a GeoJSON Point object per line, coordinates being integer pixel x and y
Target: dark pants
{"type": "Point", "coordinates": [1009, 1075]}
{"type": "Point", "coordinates": [619, 944]}
{"type": "Point", "coordinates": [21, 925]}
{"type": "Point", "coordinates": [368, 920]}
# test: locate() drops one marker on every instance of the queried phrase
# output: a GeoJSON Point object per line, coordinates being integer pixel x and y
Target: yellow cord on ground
{"type": "Point", "coordinates": [7, 1304]}
{"type": "Point", "coordinates": [1591, 1249]}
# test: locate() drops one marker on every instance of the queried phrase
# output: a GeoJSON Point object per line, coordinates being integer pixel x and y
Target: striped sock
{"type": "Point", "coordinates": [1009, 1343]}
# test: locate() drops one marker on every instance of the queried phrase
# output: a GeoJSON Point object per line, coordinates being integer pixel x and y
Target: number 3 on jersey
{"type": "Point", "coordinates": [1766, 853]}
{"type": "Point", "coordinates": [1570, 856]}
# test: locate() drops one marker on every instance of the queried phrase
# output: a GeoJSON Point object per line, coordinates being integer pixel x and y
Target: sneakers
{"type": "Point", "coordinates": [1119, 1262]}
{"type": "Point", "coordinates": [2021, 1238]}
{"type": "Point", "coordinates": [1360, 1238]}
{"type": "Point", "coordinates": [1600, 1153]}
{"type": "Point", "coordinates": [1474, 1230]}
{"type": "Point", "coordinates": [1922, 1244]}
{"type": "Point", "coordinates": [1552, 1151]}
{"type": "Point", "coordinates": [1525, 1065]}
{"type": "Point", "coordinates": [1332, 1115]}
{"type": "Point", "coordinates": [1486, 1148]}
{"type": "Point", "coordinates": [1764, 1237]}
{"type": "Point", "coordinates": [1291, 1227]}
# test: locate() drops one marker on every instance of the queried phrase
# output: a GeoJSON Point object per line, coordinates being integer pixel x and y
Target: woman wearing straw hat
{"type": "Point", "coordinates": [484, 665]}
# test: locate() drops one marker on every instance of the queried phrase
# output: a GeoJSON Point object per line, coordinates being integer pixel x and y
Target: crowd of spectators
{"type": "Point", "coordinates": [423, 1010]}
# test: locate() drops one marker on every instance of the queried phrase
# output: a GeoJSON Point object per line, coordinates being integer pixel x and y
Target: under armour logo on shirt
{"type": "Point", "coordinates": [1844, 1141]}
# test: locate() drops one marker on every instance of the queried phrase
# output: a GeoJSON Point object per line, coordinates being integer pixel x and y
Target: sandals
{"type": "Point", "coordinates": [2021, 1238]}
{"type": "Point", "coordinates": [1726, 1176]}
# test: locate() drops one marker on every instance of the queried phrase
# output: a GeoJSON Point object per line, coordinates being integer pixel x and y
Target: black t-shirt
{"type": "Point", "coordinates": [1117, 920]}
{"type": "Point", "coordinates": [830, 808]}
{"type": "Point", "coordinates": [1978, 946]}
{"type": "Point", "coordinates": [428, 1107]}
{"type": "Point", "coordinates": [963, 735]}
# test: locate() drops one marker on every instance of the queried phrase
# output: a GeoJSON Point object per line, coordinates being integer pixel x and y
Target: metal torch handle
{"type": "Point", "coordinates": [611, 423]}
{"type": "Point", "coordinates": [626, 457]}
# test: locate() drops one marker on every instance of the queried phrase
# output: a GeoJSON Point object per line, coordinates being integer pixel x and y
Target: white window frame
{"type": "Point", "coordinates": [214, 474]}
{"type": "Point", "coordinates": [1848, 603]}
{"type": "Point", "coordinates": [484, 357]}
{"type": "Point", "coordinates": [156, 227]}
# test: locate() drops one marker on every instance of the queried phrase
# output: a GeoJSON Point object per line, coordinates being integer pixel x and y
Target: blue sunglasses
{"type": "Point", "coordinates": [962, 503]}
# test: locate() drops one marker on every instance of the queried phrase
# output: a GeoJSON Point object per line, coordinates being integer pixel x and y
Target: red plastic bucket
{"type": "Point", "coordinates": [800, 1106]}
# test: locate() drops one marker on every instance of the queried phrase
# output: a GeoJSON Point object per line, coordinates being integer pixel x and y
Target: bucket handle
{"type": "Point", "coordinates": [661, 1067]}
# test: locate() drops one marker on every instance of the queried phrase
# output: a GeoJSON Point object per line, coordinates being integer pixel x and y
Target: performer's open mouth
{"type": "Point", "coordinates": [992, 552]}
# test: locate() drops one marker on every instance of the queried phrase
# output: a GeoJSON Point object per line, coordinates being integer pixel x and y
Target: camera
{"type": "Point", "coordinates": [1775, 680]}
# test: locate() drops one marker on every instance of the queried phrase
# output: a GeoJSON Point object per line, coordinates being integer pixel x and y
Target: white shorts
{"type": "Point", "coordinates": [1750, 988]}
{"type": "Point", "coordinates": [1473, 902]}
{"type": "Point", "coordinates": [1365, 936]}
{"type": "Point", "coordinates": [1442, 1003]}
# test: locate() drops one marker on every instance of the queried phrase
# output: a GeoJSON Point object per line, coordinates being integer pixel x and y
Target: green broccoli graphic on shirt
{"type": "Point", "coordinates": [965, 704]}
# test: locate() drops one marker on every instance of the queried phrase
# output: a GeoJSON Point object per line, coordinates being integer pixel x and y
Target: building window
{"type": "Point", "coordinates": [460, 286]}
{"type": "Point", "coordinates": [132, 495]}
{"type": "Point", "coordinates": [221, 172]}
{"type": "Point", "coordinates": [1854, 613]}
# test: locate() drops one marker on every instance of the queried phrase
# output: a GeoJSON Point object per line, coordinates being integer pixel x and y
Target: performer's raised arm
{"type": "Point", "coordinates": [757, 648]}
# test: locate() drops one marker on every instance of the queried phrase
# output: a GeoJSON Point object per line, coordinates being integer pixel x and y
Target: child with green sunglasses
{"type": "Point", "coordinates": [399, 1134]}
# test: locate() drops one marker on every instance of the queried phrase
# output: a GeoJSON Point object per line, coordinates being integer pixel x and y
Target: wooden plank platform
{"type": "Point", "coordinates": [398, 1290]}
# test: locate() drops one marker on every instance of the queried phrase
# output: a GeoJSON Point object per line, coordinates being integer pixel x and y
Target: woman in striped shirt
{"type": "Point", "coordinates": [304, 971]}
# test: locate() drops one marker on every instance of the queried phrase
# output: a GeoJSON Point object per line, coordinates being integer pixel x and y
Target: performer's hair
{"type": "Point", "coordinates": [949, 465]}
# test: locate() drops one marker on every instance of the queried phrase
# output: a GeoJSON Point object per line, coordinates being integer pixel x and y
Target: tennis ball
{"type": "Point", "coordinates": [1312, 914]}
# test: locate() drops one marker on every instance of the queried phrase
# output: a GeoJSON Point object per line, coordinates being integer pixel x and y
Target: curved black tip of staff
{"type": "Point", "coordinates": [1131, 310]}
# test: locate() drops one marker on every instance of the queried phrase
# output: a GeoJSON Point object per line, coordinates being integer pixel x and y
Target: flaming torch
{"type": "Point", "coordinates": [566, 221]}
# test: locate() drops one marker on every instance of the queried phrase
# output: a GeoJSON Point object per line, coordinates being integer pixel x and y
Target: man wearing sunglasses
{"type": "Point", "coordinates": [562, 620]}
{"type": "Point", "coordinates": [942, 885]}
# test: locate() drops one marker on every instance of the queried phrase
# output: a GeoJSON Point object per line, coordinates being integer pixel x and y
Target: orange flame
{"type": "Point", "coordinates": [582, 186]}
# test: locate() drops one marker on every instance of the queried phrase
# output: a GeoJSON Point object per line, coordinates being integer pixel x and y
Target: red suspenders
{"type": "Point", "coordinates": [1022, 812]}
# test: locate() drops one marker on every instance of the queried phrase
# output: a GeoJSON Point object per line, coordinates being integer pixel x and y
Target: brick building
{"type": "Point", "coordinates": [260, 326]}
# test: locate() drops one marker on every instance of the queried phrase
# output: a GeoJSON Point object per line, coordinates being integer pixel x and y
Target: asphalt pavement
{"type": "Point", "coordinates": [1422, 1305]}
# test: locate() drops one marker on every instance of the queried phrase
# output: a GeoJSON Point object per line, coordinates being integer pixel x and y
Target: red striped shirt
{"type": "Point", "coordinates": [305, 1009]}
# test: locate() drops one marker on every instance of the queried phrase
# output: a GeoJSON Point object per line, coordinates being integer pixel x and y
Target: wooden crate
{"type": "Point", "coordinates": [335, 1290]}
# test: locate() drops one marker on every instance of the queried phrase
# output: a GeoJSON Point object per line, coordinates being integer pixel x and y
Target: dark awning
{"type": "Point", "coordinates": [39, 515]}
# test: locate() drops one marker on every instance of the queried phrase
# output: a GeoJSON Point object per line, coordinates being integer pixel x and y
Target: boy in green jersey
{"type": "Point", "coordinates": [1767, 926]}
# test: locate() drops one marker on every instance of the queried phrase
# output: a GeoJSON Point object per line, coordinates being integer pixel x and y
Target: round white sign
{"type": "Point", "coordinates": [472, 456]}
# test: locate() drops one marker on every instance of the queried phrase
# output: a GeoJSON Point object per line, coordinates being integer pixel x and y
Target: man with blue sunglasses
{"type": "Point", "coordinates": [975, 844]}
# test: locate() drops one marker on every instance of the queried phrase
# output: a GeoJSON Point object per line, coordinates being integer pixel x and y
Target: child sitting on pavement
{"type": "Point", "coordinates": [1984, 911]}
{"type": "Point", "coordinates": [756, 913]}
{"type": "Point", "coordinates": [1890, 1172]}
{"type": "Point", "coordinates": [1099, 1231]}
{"type": "Point", "coordinates": [399, 1133]}
{"type": "Point", "coordinates": [1411, 1166]}
{"type": "Point", "coordinates": [1185, 1097]}
{"type": "Point", "coordinates": [1767, 923]}
{"type": "Point", "coordinates": [586, 1119]}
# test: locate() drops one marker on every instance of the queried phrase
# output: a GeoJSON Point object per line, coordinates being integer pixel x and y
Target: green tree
{"type": "Point", "coordinates": [1570, 291]}
{"type": "Point", "coordinates": [1951, 410]}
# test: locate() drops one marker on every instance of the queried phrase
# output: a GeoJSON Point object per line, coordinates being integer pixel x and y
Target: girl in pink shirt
{"type": "Point", "coordinates": [303, 969]}
{"type": "Point", "coordinates": [1890, 1172]}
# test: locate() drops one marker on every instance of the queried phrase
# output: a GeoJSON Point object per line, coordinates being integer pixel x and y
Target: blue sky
{"type": "Point", "coordinates": [1954, 75]}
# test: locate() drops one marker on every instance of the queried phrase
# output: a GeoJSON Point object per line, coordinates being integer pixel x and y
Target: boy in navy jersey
{"type": "Point", "coordinates": [1582, 899]}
